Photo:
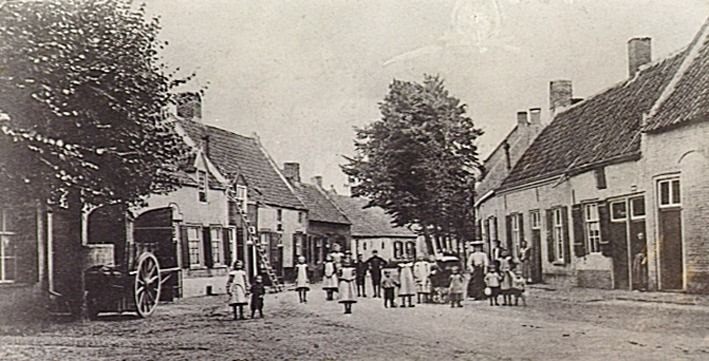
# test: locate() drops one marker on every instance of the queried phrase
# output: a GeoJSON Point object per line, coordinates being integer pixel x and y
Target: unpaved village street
{"type": "Point", "coordinates": [552, 327]}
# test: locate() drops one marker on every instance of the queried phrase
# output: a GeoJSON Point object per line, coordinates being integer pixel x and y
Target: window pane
{"type": "Point", "coordinates": [637, 206]}
{"type": "Point", "coordinates": [675, 192]}
{"type": "Point", "coordinates": [618, 211]}
{"type": "Point", "coordinates": [664, 193]}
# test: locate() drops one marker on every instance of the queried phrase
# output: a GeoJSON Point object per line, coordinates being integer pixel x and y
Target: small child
{"type": "Point", "coordinates": [301, 280]}
{"type": "Point", "coordinates": [455, 290]}
{"type": "Point", "coordinates": [236, 286]}
{"type": "Point", "coordinates": [492, 281]}
{"type": "Point", "coordinates": [518, 286]}
{"type": "Point", "coordinates": [388, 284]}
{"type": "Point", "coordinates": [506, 287]}
{"type": "Point", "coordinates": [257, 292]}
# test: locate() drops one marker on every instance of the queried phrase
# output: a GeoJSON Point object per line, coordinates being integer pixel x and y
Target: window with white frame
{"type": "Point", "coordinates": [398, 250]}
{"type": "Point", "coordinates": [203, 185]}
{"type": "Point", "coordinates": [515, 220]}
{"type": "Point", "coordinates": [8, 261]}
{"type": "Point", "coordinates": [217, 244]}
{"type": "Point", "coordinates": [240, 196]}
{"type": "Point", "coordinates": [593, 227]}
{"type": "Point", "coordinates": [668, 193]}
{"type": "Point", "coordinates": [411, 250]}
{"type": "Point", "coordinates": [558, 234]}
{"type": "Point", "coordinates": [535, 219]}
{"type": "Point", "coordinates": [194, 240]}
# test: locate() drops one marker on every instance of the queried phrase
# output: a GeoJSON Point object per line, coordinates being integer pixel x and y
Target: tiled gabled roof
{"type": "Point", "coordinates": [602, 129]}
{"type": "Point", "coordinates": [236, 154]}
{"type": "Point", "coordinates": [687, 97]}
{"type": "Point", "coordinates": [320, 208]}
{"type": "Point", "coordinates": [369, 222]}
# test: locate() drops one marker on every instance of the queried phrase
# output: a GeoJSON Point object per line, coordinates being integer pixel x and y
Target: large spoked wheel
{"type": "Point", "coordinates": [147, 284]}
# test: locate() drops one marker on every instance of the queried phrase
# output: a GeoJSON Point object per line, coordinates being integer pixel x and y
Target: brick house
{"type": "Point", "coordinates": [496, 168]}
{"type": "Point", "coordinates": [326, 224]}
{"type": "Point", "coordinates": [372, 229]}
{"type": "Point", "coordinates": [579, 189]}
{"type": "Point", "coordinates": [675, 171]}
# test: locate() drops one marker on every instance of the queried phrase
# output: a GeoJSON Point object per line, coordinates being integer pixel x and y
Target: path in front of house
{"type": "Point", "coordinates": [557, 325]}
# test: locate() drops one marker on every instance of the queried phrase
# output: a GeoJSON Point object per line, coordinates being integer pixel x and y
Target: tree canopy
{"type": "Point", "coordinates": [418, 161]}
{"type": "Point", "coordinates": [83, 102]}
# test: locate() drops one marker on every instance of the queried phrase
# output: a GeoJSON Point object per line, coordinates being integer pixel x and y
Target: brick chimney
{"type": "Point", "coordinates": [317, 180]}
{"type": "Point", "coordinates": [560, 93]}
{"type": "Point", "coordinates": [535, 116]}
{"type": "Point", "coordinates": [522, 119]}
{"type": "Point", "coordinates": [189, 106]}
{"type": "Point", "coordinates": [639, 54]}
{"type": "Point", "coordinates": [291, 170]}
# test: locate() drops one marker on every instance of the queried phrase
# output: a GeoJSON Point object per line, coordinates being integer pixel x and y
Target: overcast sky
{"type": "Point", "coordinates": [303, 73]}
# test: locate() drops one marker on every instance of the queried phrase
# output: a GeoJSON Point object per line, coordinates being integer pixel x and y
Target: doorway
{"type": "Point", "coordinates": [670, 234]}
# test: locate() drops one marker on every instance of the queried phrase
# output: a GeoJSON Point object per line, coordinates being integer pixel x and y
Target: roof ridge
{"type": "Point", "coordinates": [329, 199]}
{"type": "Point", "coordinates": [693, 47]}
{"type": "Point", "coordinates": [274, 165]}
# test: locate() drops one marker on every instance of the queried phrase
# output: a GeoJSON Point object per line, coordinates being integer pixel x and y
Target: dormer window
{"type": "Point", "coordinates": [203, 185]}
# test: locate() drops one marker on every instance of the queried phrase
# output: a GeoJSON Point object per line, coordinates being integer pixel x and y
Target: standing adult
{"type": "Point", "coordinates": [640, 264]}
{"type": "Point", "coordinates": [337, 255]}
{"type": "Point", "coordinates": [422, 276]}
{"type": "Point", "coordinates": [361, 270]}
{"type": "Point", "coordinates": [375, 265]}
{"type": "Point", "coordinates": [525, 255]}
{"type": "Point", "coordinates": [477, 267]}
{"type": "Point", "coordinates": [496, 253]}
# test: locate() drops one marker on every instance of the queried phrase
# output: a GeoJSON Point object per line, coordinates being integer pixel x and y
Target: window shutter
{"type": "Point", "coordinates": [185, 245]}
{"type": "Point", "coordinates": [226, 238]}
{"type": "Point", "coordinates": [26, 244]}
{"type": "Point", "coordinates": [605, 222]}
{"type": "Point", "coordinates": [508, 225]}
{"type": "Point", "coordinates": [565, 233]}
{"type": "Point", "coordinates": [550, 235]}
{"type": "Point", "coordinates": [207, 247]}
{"type": "Point", "coordinates": [579, 236]}
{"type": "Point", "coordinates": [520, 219]}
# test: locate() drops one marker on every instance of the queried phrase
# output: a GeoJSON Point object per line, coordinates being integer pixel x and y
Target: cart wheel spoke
{"type": "Point", "coordinates": [147, 285]}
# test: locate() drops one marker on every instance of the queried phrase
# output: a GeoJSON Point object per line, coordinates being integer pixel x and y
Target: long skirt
{"type": "Point", "coordinates": [346, 292]}
{"type": "Point", "coordinates": [406, 279]}
{"type": "Point", "coordinates": [330, 283]}
{"type": "Point", "coordinates": [238, 296]}
{"type": "Point", "coordinates": [477, 284]}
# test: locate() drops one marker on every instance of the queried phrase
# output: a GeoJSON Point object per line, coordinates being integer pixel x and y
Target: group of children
{"type": "Point", "coordinates": [344, 278]}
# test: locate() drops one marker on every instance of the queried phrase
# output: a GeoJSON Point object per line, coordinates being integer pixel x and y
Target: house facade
{"type": "Point", "coordinates": [675, 169]}
{"type": "Point", "coordinates": [372, 229]}
{"type": "Point", "coordinates": [581, 195]}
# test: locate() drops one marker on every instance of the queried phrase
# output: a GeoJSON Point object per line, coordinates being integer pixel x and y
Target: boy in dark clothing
{"type": "Point", "coordinates": [257, 292]}
{"type": "Point", "coordinates": [361, 272]}
{"type": "Point", "coordinates": [375, 264]}
{"type": "Point", "coordinates": [388, 284]}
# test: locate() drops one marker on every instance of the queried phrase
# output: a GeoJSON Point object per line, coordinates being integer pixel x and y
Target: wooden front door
{"type": "Point", "coordinates": [671, 259]}
{"type": "Point", "coordinates": [619, 242]}
{"type": "Point", "coordinates": [670, 232]}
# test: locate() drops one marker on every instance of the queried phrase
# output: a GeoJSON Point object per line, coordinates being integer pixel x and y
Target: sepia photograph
{"type": "Point", "coordinates": [354, 180]}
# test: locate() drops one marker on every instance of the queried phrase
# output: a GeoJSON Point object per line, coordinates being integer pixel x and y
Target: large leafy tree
{"type": "Point", "coordinates": [83, 99]}
{"type": "Point", "coordinates": [418, 161]}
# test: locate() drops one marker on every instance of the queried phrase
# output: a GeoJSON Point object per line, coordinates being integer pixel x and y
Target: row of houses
{"type": "Point", "coordinates": [612, 192]}
{"type": "Point", "coordinates": [229, 189]}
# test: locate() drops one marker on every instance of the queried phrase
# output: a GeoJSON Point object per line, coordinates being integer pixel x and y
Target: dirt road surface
{"type": "Point", "coordinates": [548, 329]}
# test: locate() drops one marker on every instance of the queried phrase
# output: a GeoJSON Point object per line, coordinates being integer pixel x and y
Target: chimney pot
{"type": "Point", "coordinates": [291, 170]}
{"type": "Point", "coordinates": [639, 54]}
{"type": "Point", "coordinates": [560, 93]}
{"type": "Point", "coordinates": [317, 180]}
{"type": "Point", "coordinates": [189, 105]}
{"type": "Point", "coordinates": [522, 119]}
{"type": "Point", "coordinates": [535, 116]}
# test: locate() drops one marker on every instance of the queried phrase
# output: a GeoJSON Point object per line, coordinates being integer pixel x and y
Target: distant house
{"type": "Point", "coordinates": [326, 224]}
{"type": "Point", "coordinates": [372, 229]}
{"type": "Point", "coordinates": [601, 183]}
{"type": "Point", "coordinates": [496, 168]}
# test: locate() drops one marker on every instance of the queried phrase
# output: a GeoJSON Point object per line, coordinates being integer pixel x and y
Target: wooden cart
{"type": "Point", "coordinates": [145, 270]}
